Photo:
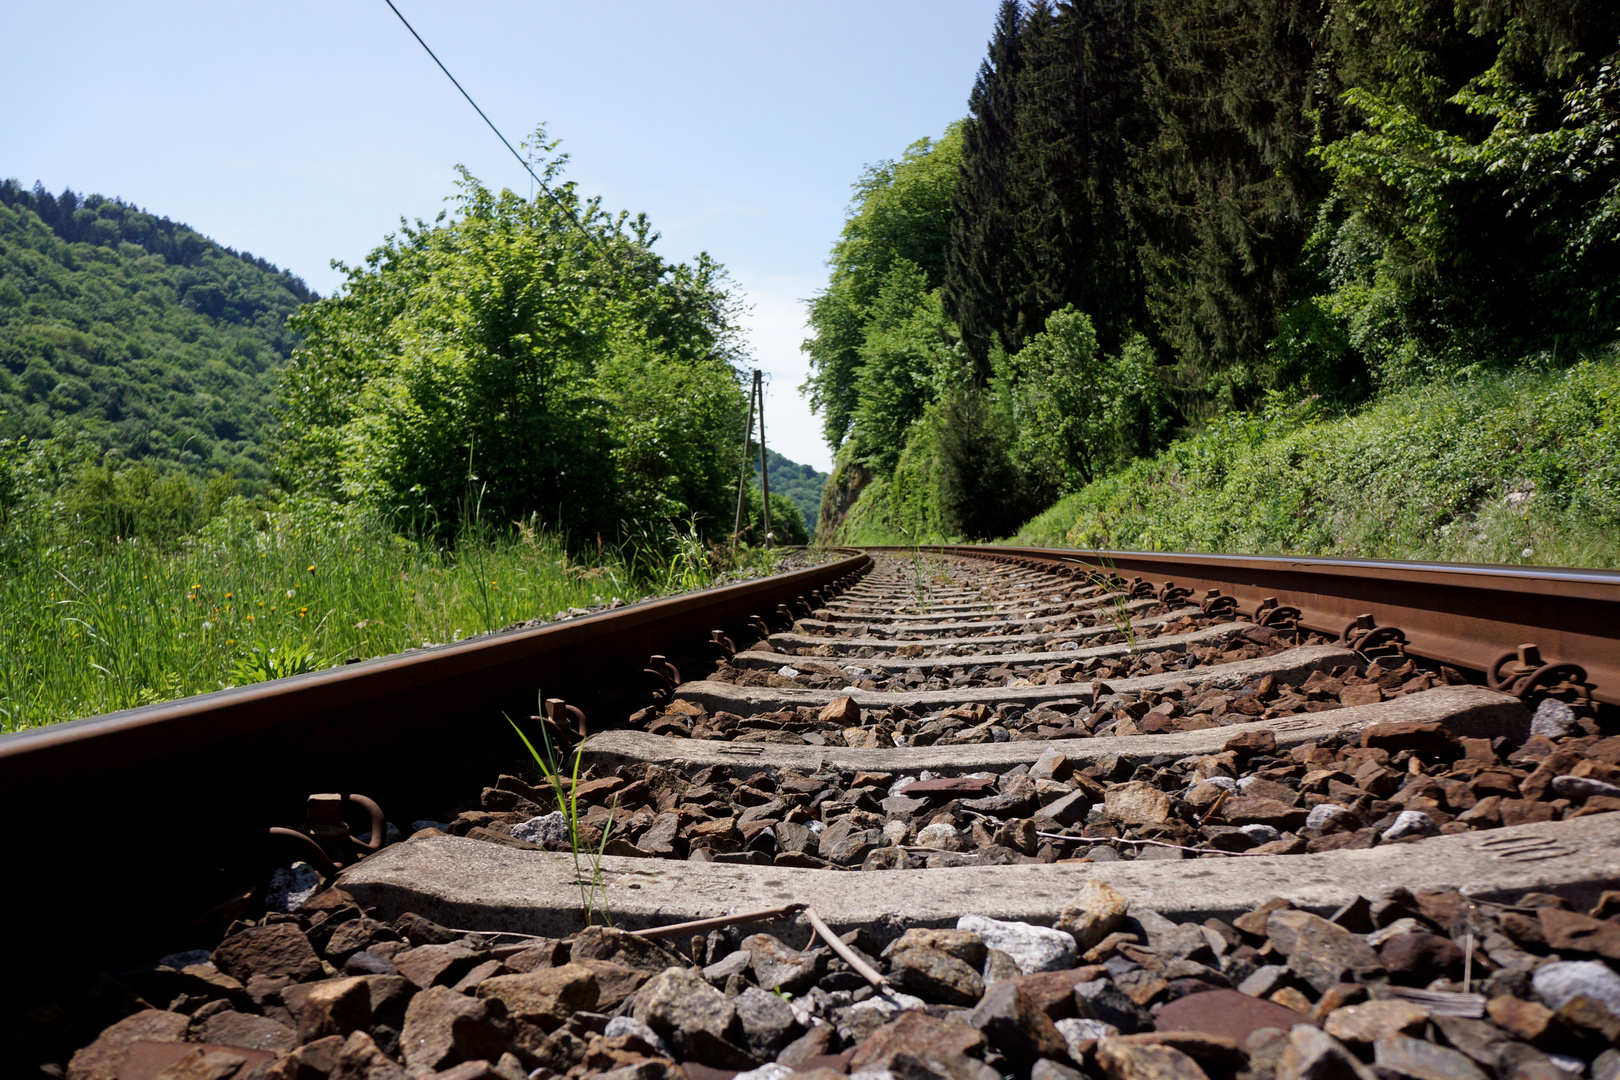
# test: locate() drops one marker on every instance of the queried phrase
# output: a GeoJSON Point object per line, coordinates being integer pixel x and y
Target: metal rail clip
{"type": "Point", "coordinates": [1527, 677]}
{"type": "Point", "coordinates": [327, 842]}
{"type": "Point", "coordinates": [1371, 640]}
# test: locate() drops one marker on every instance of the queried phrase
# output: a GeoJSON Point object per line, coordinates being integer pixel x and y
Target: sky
{"type": "Point", "coordinates": [304, 131]}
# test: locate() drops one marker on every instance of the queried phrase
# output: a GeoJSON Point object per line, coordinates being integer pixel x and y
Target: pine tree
{"type": "Point", "coordinates": [983, 231]}
{"type": "Point", "coordinates": [1079, 111]}
{"type": "Point", "coordinates": [1228, 185]}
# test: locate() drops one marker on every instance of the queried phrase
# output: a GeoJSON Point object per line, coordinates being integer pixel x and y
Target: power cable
{"type": "Point", "coordinates": [520, 158]}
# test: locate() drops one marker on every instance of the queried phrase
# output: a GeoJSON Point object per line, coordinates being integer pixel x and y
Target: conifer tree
{"type": "Point", "coordinates": [1228, 184]}
{"type": "Point", "coordinates": [983, 231]}
{"type": "Point", "coordinates": [1079, 111]}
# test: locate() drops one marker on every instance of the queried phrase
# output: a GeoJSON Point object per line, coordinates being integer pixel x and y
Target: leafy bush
{"type": "Point", "coordinates": [1519, 467]}
{"type": "Point", "coordinates": [535, 356]}
{"type": "Point", "coordinates": [1076, 413]}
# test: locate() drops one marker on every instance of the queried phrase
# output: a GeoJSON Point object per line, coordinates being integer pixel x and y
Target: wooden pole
{"type": "Point", "coordinates": [742, 475]}
{"type": "Point", "coordinates": [764, 476]}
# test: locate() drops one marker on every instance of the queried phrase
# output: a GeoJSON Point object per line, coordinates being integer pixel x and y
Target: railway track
{"type": "Point", "coordinates": [881, 746]}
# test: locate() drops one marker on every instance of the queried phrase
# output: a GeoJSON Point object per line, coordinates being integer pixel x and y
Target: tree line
{"type": "Point", "coordinates": [1158, 211]}
{"type": "Point", "coordinates": [513, 361]}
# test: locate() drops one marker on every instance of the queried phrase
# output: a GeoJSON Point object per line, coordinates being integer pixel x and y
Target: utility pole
{"type": "Point", "coordinates": [764, 476]}
{"type": "Point", "coordinates": [756, 396]}
{"type": "Point", "coordinates": [742, 475]}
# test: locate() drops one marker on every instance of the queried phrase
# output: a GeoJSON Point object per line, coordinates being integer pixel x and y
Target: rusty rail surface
{"type": "Point", "coordinates": [121, 828]}
{"type": "Point", "coordinates": [1468, 616]}
{"type": "Point", "coordinates": [123, 825]}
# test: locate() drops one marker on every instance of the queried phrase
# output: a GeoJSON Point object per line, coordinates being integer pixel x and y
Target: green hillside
{"type": "Point", "coordinates": [802, 484]}
{"type": "Point", "coordinates": [137, 334]}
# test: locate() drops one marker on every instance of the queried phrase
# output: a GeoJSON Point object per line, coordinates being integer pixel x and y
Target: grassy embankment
{"type": "Point", "coordinates": [1522, 467]}
{"type": "Point", "coordinates": [89, 627]}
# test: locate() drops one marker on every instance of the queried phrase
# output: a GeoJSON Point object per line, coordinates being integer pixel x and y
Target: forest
{"type": "Point", "coordinates": [128, 337]}
{"type": "Point", "coordinates": [1161, 216]}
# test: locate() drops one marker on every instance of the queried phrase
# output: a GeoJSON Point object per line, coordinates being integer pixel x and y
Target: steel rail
{"type": "Point", "coordinates": [121, 826]}
{"type": "Point", "coordinates": [1468, 616]}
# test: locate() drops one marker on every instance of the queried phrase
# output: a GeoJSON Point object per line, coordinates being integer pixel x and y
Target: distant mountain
{"type": "Point", "coordinates": [138, 333]}
{"type": "Point", "coordinates": [801, 483]}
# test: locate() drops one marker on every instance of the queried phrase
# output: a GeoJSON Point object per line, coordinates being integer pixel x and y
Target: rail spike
{"type": "Point", "coordinates": [1276, 616]}
{"type": "Point", "coordinates": [325, 839]}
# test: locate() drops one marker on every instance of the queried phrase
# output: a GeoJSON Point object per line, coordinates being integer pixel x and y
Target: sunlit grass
{"type": "Point", "coordinates": [88, 627]}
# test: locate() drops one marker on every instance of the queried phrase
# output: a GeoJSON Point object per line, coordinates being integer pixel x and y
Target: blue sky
{"type": "Point", "coordinates": [303, 131]}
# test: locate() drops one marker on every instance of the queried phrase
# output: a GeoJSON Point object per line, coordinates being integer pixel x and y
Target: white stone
{"type": "Point", "coordinates": [1261, 834]}
{"type": "Point", "coordinates": [1077, 1032]}
{"type": "Point", "coordinates": [292, 886]}
{"type": "Point", "coordinates": [886, 1005]}
{"type": "Point", "coordinates": [1558, 982]}
{"type": "Point", "coordinates": [895, 831]}
{"type": "Point", "coordinates": [1033, 948]}
{"type": "Point", "coordinates": [629, 1025]}
{"type": "Point", "coordinates": [788, 672]}
{"type": "Point", "coordinates": [1395, 929]}
{"type": "Point", "coordinates": [938, 835]}
{"type": "Point", "coordinates": [1323, 813]}
{"type": "Point", "coordinates": [1554, 719]}
{"type": "Point", "coordinates": [771, 1071]}
{"type": "Point", "coordinates": [547, 827]}
{"type": "Point", "coordinates": [1583, 787]}
{"type": "Point", "coordinates": [1411, 823]}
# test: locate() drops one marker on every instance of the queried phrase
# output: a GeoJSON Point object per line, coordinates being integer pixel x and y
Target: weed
{"type": "Point", "coordinates": [592, 891]}
{"type": "Point", "coordinates": [276, 662]}
{"type": "Point", "coordinates": [921, 583]}
{"type": "Point", "coordinates": [1119, 601]}
{"type": "Point", "coordinates": [88, 626]}
{"type": "Point", "coordinates": [1520, 467]}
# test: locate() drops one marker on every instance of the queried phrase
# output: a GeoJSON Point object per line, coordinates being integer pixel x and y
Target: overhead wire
{"type": "Point", "coordinates": [610, 256]}
{"type": "Point", "coordinates": [521, 160]}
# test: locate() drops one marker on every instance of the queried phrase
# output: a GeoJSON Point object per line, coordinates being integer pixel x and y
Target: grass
{"type": "Point", "coordinates": [593, 897]}
{"type": "Point", "coordinates": [1510, 468]}
{"type": "Point", "coordinates": [88, 627]}
{"type": "Point", "coordinates": [1113, 591]}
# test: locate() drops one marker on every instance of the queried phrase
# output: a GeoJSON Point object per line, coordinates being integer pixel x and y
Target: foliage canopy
{"type": "Point", "coordinates": [521, 358]}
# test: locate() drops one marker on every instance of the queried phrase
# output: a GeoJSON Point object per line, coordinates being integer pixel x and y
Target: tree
{"type": "Point", "coordinates": [1475, 209]}
{"type": "Point", "coordinates": [524, 358]}
{"type": "Point", "coordinates": [1076, 411]}
{"type": "Point", "coordinates": [1228, 186]}
{"type": "Point", "coordinates": [908, 353]}
{"type": "Point", "coordinates": [1079, 112]}
{"type": "Point", "coordinates": [979, 271]}
{"type": "Point", "coordinates": [901, 213]}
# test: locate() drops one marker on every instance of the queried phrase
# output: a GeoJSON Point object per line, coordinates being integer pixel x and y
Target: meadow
{"type": "Point", "coordinates": [90, 625]}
